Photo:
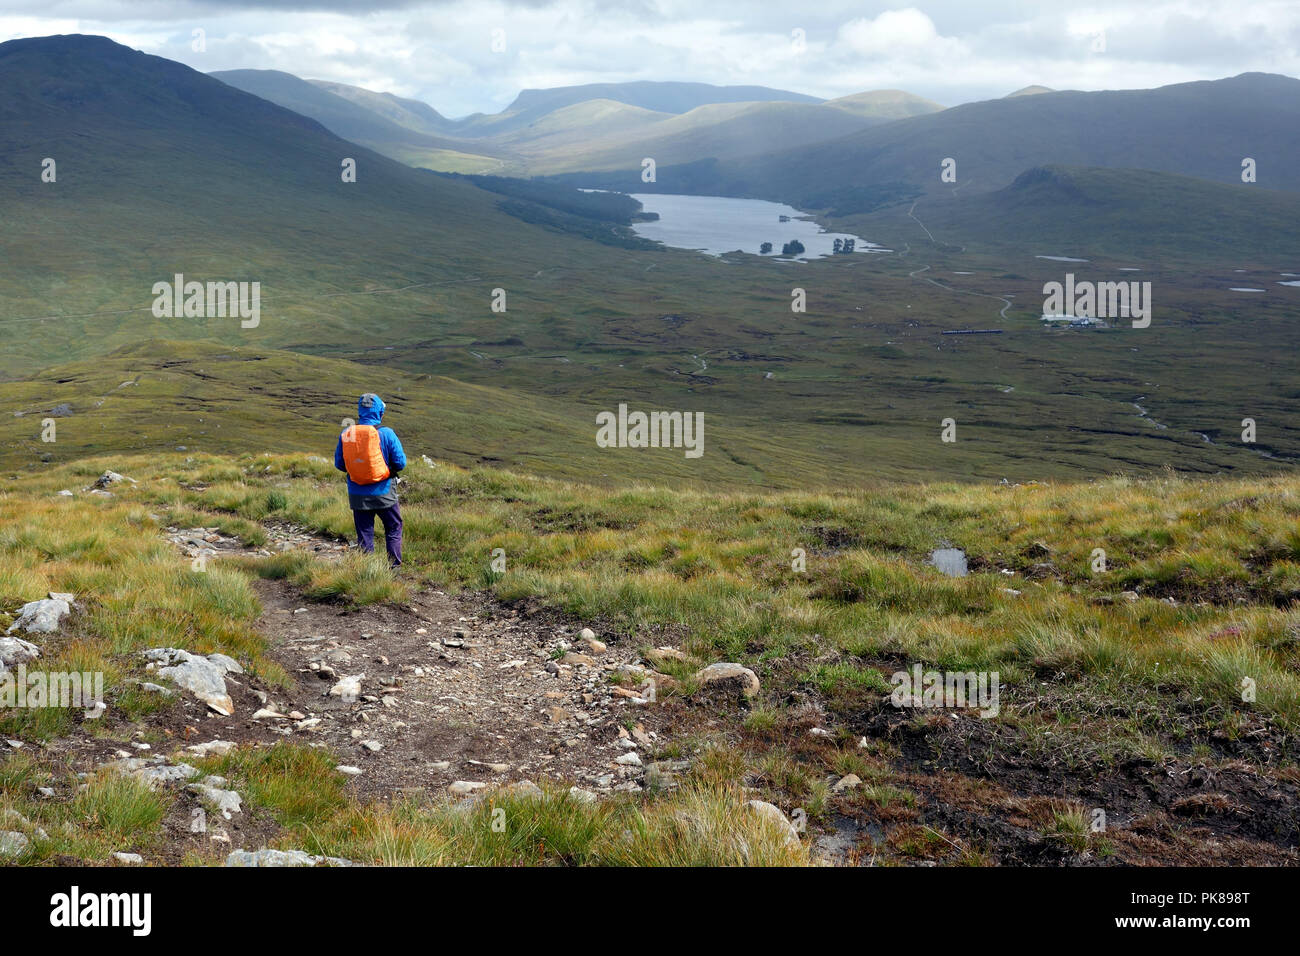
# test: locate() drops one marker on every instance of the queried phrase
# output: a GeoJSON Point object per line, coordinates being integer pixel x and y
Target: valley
{"type": "Point", "coordinates": [723, 405]}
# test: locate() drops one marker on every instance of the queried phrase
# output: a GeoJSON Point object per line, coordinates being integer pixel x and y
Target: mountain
{"type": "Point", "coordinates": [718, 131]}
{"type": "Point", "coordinates": [597, 126]}
{"type": "Point", "coordinates": [412, 114]}
{"type": "Point", "coordinates": [162, 170]}
{"type": "Point", "coordinates": [375, 120]}
{"type": "Point", "coordinates": [885, 104]}
{"type": "Point", "coordinates": [1203, 129]}
{"type": "Point", "coordinates": [1030, 91]}
{"type": "Point", "coordinates": [1133, 214]}
{"type": "Point", "coordinates": [662, 97]}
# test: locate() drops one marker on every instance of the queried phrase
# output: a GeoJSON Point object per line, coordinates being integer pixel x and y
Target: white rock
{"type": "Point", "coordinates": [154, 771]}
{"type": "Point", "coordinates": [111, 478]}
{"type": "Point", "coordinates": [128, 857]}
{"type": "Point", "coordinates": [774, 816]}
{"type": "Point", "coordinates": [720, 673]}
{"type": "Point", "coordinates": [204, 677]}
{"type": "Point", "coordinates": [582, 796]}
{"type": "Point", "coordinates": [350, 771]}
{"type": "Point", "coordinates": [226, 801]}
{"type": "Point", "coordinates": [218, 748]}
{"type": "Point", "coordinates": [463, 788]}
{"type": "Point", "coordinates": [15, 651]}
{"type": "Point", "coordinates": [348, 689]}
{"type": "Point", "coordinates": [40, 617]}
{"type": "Point", "coordinates": [847, 782]}
{"type": "Point", "coordinates": [282, 858]}
{"type": "Point", "coordinates": [629, 759]}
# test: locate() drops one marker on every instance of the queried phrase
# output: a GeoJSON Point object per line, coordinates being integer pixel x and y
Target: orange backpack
{"type": "Point", "coordinates": [362, 455]}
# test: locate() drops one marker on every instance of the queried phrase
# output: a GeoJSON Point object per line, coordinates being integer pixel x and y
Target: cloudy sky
{"type": "Point", "coordinates": [463, 56]}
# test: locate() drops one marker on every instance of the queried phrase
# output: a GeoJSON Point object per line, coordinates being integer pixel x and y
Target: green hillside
{"type": "Point", "coordinates": [397, 272]}
{"type": "Point", "coordinates": [375, 121]}
{"type": "Point", "coordinates": [1201, 129]}
{"type": "Point", "coordinates": [201, 398]}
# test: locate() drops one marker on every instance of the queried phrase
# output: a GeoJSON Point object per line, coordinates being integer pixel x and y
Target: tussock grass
{"type": "Point", "coordinates": [1213, 564]}
{"type": "Point", "coordinates": [698, 826]}
{"type": "Point", "coordinates": [133, 592]}
{"type": "Point", "coordinates": [716, 568]}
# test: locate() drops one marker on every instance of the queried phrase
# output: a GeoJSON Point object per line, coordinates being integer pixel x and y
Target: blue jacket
{"type": "Point", "coordinates": [389, 446]}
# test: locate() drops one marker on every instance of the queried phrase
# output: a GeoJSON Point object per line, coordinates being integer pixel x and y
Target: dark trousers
{"type": "Point", "coordinates": [392, 519]}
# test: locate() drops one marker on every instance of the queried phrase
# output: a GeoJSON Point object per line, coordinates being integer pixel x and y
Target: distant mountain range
{"type": "Point", "coordinates": [1203, 129]}
{"type": "Point", "coordinates": [597, 126]}
{"type": "Point", "coordinates": [163, 171]}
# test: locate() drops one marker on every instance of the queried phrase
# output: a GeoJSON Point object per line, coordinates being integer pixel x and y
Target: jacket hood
{"type": "Point", "coordinates": [370, 409]}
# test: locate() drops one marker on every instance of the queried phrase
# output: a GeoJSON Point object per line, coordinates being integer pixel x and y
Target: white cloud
{"type": "Point", "coordinates": [949, 50]}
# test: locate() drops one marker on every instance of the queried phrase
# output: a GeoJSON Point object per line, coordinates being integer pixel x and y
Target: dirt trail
{"type": "Point", "coordinates": [453, 688]}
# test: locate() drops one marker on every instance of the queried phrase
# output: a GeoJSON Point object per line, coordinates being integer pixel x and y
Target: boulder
{"type": "Point", "coordinates": [110, 478]}
{"type": "Point", "coordinates": [14, 651]}
{"type": "Point", "coordinates": [282, 858]}
{"type": "Point", "coordinates": [847, 782]}
{"type": "Point", "coordinates": [41, 617]}
{"type": "Point", "coordinates": [772, 814]}
{"type": "Point", "coordinates": [154, 771]}
{"type": "Point", "coordinates": [224, 801]}
{"type": "Point", "coordinates": [204, 677]}
{"type": "Point", "coordinates": [348, 689]}
{"type": "Point", "coordinates": [213, 747]}
{"type": "Point", "coordinates": [723, 674]}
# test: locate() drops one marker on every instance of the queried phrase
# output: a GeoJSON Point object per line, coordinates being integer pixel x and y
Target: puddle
{"type": "Point", "coordinates": [950, 561]}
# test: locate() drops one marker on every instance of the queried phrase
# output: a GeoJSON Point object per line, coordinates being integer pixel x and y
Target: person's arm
{"type": "Point", "coordinates": [338, 455]}
{"type": "Point", "coordinates": [393, 453]}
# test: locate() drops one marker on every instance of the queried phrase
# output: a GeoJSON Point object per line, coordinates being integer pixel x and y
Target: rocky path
{"type": "Point", "coordinates": [447, 693]}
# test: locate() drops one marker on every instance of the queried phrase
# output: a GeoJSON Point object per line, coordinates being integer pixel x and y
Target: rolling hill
{"type": "Point", "coordinates": [1119, 213]}
{"type": "Point", "coordinates": [162, 170]}
{"type": "Point", "coordinates": [377, 121]}
{"type": "Point", "coordinates": [598, 126]}
{"type": "Point", "coordinates": [137, 138]}
{"type": "Point", "coordinates": [1203, 129]}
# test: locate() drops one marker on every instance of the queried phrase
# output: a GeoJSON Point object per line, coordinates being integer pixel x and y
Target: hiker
{"type": "Point", "coordinates": [372, 455]}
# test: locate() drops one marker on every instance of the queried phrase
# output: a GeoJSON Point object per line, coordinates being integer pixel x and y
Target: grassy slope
{"type": "Point", "coordinates": [722, 131]}
{"type": "Point", "coordinates": [357, 122]}
{"type": "Point", "coordinates": [1135, 213]}
{"type": "Point", "coordinates": [397, 270]}
{"type": "Point", "coordinates": [1089, 681]}
{"type": "Point", "coordinates": [886, 104]}
{"type": "Point", "coordinates": [210, 399]}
